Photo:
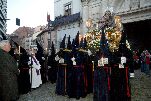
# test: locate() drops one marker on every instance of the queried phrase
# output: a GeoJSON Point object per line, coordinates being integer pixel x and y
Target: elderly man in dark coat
{"type": "Point", "coordinates": [8, 74]}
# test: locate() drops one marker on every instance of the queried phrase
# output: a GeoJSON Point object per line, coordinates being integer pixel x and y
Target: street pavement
{"type": "Point", "coordinates": [140, 87]}
{"type": "Point", "coordinates": [47, 93]}
{"type": "Point", "coordinates": [140, 91]}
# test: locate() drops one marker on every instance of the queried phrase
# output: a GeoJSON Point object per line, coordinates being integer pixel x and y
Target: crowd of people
{"type": "Point", "coordinates": [142, 60]}
{"type": "Point", "coordinates": [8, 74]}
{"type": "Point", "coordinates": [20, 71]}
{"type": "Point", "coordinates": [75, 71]}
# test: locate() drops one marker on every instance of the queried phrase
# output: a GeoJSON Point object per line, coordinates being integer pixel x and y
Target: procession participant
{"type": "Point", "coordinates": [22, 58]}
{"type": "Point", "coordinates": [8, 74]}
{"type": "Point", "coordinates": [60, 83]}
{"type": "Point", "coordinates": [64, 79]}
{"type": "Point", "coordinates": [120, 87]}
{"type": "Point", "coordinates": [42, 58]}
{"type": "Point", "coordinates": [35, 76]}
{"type": "Point", "coordinates": [24, 77]}
{"type": "Point", "coordinates": [69, 68]}
{"type": "Point", "coordinates": [52, 66]}
{"type": "Point", "coordinates": [79, 89]}
{"type": "Point", "coordinates": [101, 92]}
{"type": "Point", "coordinates": [78, 75]}
{"type": "Point", "coordinates": [88, 70]}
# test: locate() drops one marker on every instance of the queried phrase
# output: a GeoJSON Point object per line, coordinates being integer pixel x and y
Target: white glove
{"type": "Point", "coordinates": [29, 62]}
{"type": "Point", "coordinates": [49, 67]}
{"type": "Point", "coordinates": [57, 58]}
{"type": "Point", "coordinates": [43, 58]}
{"type": "Point", "coordinates": [89, 52]}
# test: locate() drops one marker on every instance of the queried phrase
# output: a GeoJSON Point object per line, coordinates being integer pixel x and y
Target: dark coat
{"type": "Point", "coordinates": [8, 77]}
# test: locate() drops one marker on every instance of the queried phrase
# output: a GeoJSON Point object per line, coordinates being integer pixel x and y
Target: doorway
{"type": "Point", "coordinates": [139, 34]}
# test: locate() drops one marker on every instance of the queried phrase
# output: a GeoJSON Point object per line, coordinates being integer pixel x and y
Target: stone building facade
{"type": "Point", "coordinates": [23, 33]}
{"type": "Point", "coordinates": [67, 22]}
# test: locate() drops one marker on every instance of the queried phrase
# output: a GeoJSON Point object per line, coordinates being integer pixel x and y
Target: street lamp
{"type": "Point", "coordinates": [17, 21]}
{"type": "Point", "coordinates": [4, 19]}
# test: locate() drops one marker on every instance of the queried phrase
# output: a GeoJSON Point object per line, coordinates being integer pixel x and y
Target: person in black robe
{"type": "Point", "coordinates": [101, 92]}
{"type": "Point", "coordinates": [52, 66]}
{"type": "Point", "coordinates": [88, 68]}
{"type": "Point", "coordinates": [69, 68]}
{"type": "Point", "coordinates": [42, 60]}
{"type": "Point", "coordinates": [78, 75]}
{"type": "Point", "coordinates": [61, 72]}
{"type": "Point", "coordinates": [24, 77]}
{"type": "Point", "coordinates": [79, 69]}
{"type": "Point", "coordinates": [88, 71]}
{"type": "Point", "coordinates": [22, 58]}
{"type": "Point", "coordinates": [120, 87]}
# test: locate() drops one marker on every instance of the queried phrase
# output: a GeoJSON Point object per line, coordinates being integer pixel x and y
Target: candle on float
{"type": "Point", "coordinates": [19, 49]}
{"type": "Point", "coordinates": [56, 50]}
{"type": "Point", "coordinates": [46, 50]}
{"type": "Point", "coordinates": [32, 50]}
{"type": "Point", "coordinates": [102, 60]}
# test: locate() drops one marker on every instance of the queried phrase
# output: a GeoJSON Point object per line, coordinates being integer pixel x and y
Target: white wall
{"type": "Point", "coordinates": [93, 9]}
{"type": "Point", "coordinates": [68, 30]}
{"type": "Point", "coordinates": [144, 3]}
{"type": "Point", "coordinates": [77, 7]}
{"type": "Point", "coordinates": [59, 6]}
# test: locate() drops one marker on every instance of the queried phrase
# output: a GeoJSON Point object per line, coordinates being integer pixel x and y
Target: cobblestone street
{"type": "Point", "coordinates": [140, 89]}
{"type": "Point", "coordinates": [47, 93]}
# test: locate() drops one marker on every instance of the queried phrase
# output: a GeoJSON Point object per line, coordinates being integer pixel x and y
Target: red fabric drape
{"type": "Point", "coordinates": [128, 90]}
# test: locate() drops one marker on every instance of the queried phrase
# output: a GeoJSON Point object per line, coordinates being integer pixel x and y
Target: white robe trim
{"type": "Point", "coordinates": [36, 78]}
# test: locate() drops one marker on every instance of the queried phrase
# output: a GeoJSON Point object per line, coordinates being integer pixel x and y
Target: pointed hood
{"type": "Point", "coordinates": [73, 47]}
{"type": "Point", "coordinates": [62, 44]}
{"type": "Point", "coordinates": [22, 50]}
{"type": "Point", "coordinates": [73, 44]}
{"type": "Point", "coordinates": [123, 38]}
{"type": "Point", "coordinates": [24, 57]}
{"type": "Point", "coordinates": [40, 52]}
{"type": "Point", "coordinates": [53, 49]}
{"type": "Point", "coordinates": [81, 43]}
{"type": "Point", "coordinates": [103, 44]}
{"type": "Point", "coordinates": [77, 40]}
{"type": "Point", "coordinates": [39, 47]}
{"type": "Point", "coordinates": [85, 43]}
{"type": "Point", "coordinates": [69, 46]}
{"type": "Point", "coordinates": [122, 46]}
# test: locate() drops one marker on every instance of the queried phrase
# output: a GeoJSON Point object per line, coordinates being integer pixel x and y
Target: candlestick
{"type": "Point", "coordinates": [19, 49]}
{"type": "Point", "coordinates": [32, 51]}
{"type": "Point", "coordinates": [46, 50]}
{"type": "Point", "coordinates": [102, 60]}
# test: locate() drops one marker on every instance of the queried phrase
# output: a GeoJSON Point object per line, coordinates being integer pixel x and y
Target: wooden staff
{"type": "Point", "coordinates": [31, 67]}
{"type": "Point", "coordinates": [32, 51]}
{"type": "Point", "coordinates": [93, 65]}
{"type": "Point", "coordinates": [65, 76]}
{"type": "Point", "coordinates": [46, 66]}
